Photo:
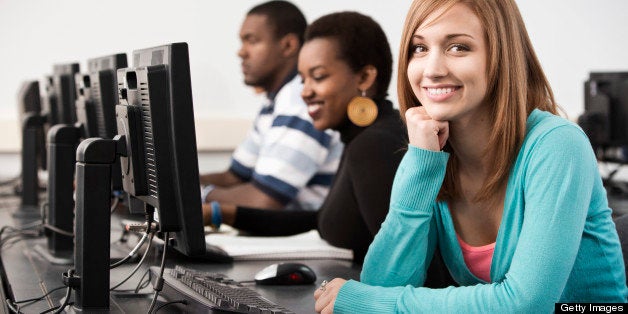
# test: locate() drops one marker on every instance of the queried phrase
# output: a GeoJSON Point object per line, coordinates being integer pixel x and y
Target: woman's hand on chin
{"type": "Point", "coordinates": [424, 132]}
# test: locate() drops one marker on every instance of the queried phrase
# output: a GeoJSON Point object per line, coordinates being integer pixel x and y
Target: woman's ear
{"type": "Point", "coordinates": [368, 74]}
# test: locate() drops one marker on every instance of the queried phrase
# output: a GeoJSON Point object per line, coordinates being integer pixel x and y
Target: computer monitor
{"type": "Point", "coordinates": [606, 113]}
{"type": "Point", "coordinates": [64, 86]}
{"type": "Point", "coordinates": [49, 100]}
{"type": "Point", "coordinates": [33, 156]}
{"type": "Point", "coordinates": [96, 100]}
{"type": "Point", "coordinates": [29, 99]}
{"type": "Point", "coordinates": [156, 116]}
{"type": "Point", "coordinates": [29, 104]}
{"type": "Point", "coordinates": [156, 143]}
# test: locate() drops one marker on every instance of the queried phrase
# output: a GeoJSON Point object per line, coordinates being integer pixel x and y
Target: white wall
{"type": "Point", "coordinates": [572, 37]}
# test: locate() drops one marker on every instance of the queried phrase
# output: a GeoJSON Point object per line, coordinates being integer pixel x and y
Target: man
{"type": "Point", "coordinates": [284, 162]}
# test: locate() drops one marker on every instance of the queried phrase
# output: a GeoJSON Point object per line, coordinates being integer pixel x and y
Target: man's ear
{"type": "Point", "coordinates": [368, 75]}
{"type": "Point", "coordinates": [290, 45]}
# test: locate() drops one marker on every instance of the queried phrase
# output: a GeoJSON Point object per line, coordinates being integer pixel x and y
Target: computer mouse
{"type": "Point", "coordinates": [285, 274]}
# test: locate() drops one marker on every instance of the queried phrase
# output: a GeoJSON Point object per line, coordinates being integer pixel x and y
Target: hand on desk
{"type": "Point", "coordinates": [326, 296]}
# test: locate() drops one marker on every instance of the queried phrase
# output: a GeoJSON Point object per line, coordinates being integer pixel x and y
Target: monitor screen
{"type": "Point", "coordinates": [63, 84]}
{"type": "Point", "coordinates": [156, 117]}
{"type": "Point", "coordinates": [606, 112]}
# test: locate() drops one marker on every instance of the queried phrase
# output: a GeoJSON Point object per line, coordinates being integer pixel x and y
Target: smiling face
{"type": "Point", "coordinates": [447, 65]}
{"type": "Point", "coordinates": [328, 83]}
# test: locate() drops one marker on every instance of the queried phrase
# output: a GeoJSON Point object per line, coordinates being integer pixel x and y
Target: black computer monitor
{"type": "Point", "coordinates": [606, 113]}
{"type": "Point", "coordinates": [64, 86]}
{"type": "Point", "coordinates": [29, 104]}
{"type": "Point", "coordinates": [156, 116]}
{"type": "Point", "coordinates": [29, 98]}
{"type": "Point", "coordinates": [156, 144]}
{"type": "Point", "coordinates": [33, 154]}
{"type": "Point", "coordinates": [96, 95]}
{"type": "Point", "coordinates": [96, 100]}
{"type": "Point", "coordinates": [49, 106]}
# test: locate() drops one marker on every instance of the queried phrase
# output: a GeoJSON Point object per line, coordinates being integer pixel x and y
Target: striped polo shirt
{"type": "Point", "coordinates": [284, 155]}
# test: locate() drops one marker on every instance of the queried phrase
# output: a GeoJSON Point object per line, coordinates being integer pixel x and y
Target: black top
{"type": "Point", "coordinates": [359, 197]}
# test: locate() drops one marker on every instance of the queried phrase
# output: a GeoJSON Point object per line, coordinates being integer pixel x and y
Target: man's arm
{"type": "Point", "coordinates": [221, 179]}
{"type": "Point", "coordinates": [245, 194]}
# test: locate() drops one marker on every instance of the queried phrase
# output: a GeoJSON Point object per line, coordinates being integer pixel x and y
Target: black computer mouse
{"type": "Point", "coordinates": [286, 274]}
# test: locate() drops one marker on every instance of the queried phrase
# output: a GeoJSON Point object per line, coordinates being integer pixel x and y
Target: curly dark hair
{"type": "Point", "coordinates": [361, 41]}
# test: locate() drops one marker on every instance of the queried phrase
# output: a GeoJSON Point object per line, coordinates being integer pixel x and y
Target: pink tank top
{"type": "Point", "coordinates": [478, 258]}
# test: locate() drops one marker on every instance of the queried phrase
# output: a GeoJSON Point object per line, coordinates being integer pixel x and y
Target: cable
{"type": "Point", "coordinates": [60, 308]}
{"type": "Point", "coordinates": [23, 228]}
{"type": "Point", "coordinates": [160, 280]}
{"type": "Point", "coordinates": [12, 307]}
{"type": "Point", "coordinates": [184, 302]}
{"type": "Point", "coordinates": [17, 236]}
{"type": "Point", "coordinates": [59, 231]}
{"type": "Point", "coordinates": [143, 284]}
{"type": "Point", "coordinates": [39, 298]}
{"type": "Point", "coordinates": [132, 253]}
{"type": "Point", "coordinates": [138, 264]}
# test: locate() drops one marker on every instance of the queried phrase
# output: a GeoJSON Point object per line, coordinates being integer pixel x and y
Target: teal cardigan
{"type": "Point", "coordinates": [556, 242]}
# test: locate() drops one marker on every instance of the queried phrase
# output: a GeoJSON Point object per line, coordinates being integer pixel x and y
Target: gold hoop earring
{"type": "Point", "coordinates": [362, 111]}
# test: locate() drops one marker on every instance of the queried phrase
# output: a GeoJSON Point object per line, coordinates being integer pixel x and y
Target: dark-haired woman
{"type": "Point", "coordinates": [345, 65]}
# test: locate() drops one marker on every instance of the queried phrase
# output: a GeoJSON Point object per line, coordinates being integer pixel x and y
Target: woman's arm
{"type": "Point", "coordinates": [265, 222]}
{"type": "Point", "coordinates": [402, 250]}
{"type": "Point", "coordinates": [558, 179]}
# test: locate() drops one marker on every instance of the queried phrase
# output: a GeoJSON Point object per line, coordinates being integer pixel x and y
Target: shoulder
{"type": "Point", "coordinates": [288, 100]}
{"type": "Point", "coordinates": [385, 139]}
{"type": "Point", "coordinates": [546, 128]}
{"type": "Point", "coordinates": [553, 141]}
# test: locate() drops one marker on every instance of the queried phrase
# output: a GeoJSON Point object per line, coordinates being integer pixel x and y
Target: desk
{"type": "Point", "coordinates": [28, 275]}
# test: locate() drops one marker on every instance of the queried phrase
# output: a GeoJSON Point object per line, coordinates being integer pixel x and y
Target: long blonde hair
{"type": "Point", "coordinates": [516, 84]}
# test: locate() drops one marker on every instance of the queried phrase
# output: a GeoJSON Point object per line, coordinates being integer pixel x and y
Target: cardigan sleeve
{"type": "Point", "coordinates": [558, 179]}
{"type": "Point", "coordinates": [406, 242]}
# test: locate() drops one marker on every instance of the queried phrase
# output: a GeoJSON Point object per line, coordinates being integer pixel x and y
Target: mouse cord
{"type": "Point", "coordinates": [160, 279]}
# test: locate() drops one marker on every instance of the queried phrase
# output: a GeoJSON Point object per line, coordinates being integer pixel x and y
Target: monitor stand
{"type": "Point", "coordinates": [32, 129]}
{"type": "Point", "coordinates": [62, 146]}
{"type": "Point", "coordinates": [62, 142]}
{"type": "Point", "coordinates": [95, 157]}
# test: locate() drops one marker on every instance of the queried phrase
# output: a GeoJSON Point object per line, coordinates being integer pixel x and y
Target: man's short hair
{"type": "Point", "coordinates": [283, 16]}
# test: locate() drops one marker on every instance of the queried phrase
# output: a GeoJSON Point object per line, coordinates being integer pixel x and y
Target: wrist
{"type": "Point", "coordinates": [205, 192]}
{"type": "Point", "coordinates": [216, 215]}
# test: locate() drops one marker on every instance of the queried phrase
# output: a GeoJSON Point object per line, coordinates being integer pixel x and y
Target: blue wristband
{"type": "Point", "coordinates": [216, 215]}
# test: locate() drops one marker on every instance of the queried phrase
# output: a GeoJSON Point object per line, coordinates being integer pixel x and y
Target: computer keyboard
{"type": "Point", "coordinates": [206, 291]}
